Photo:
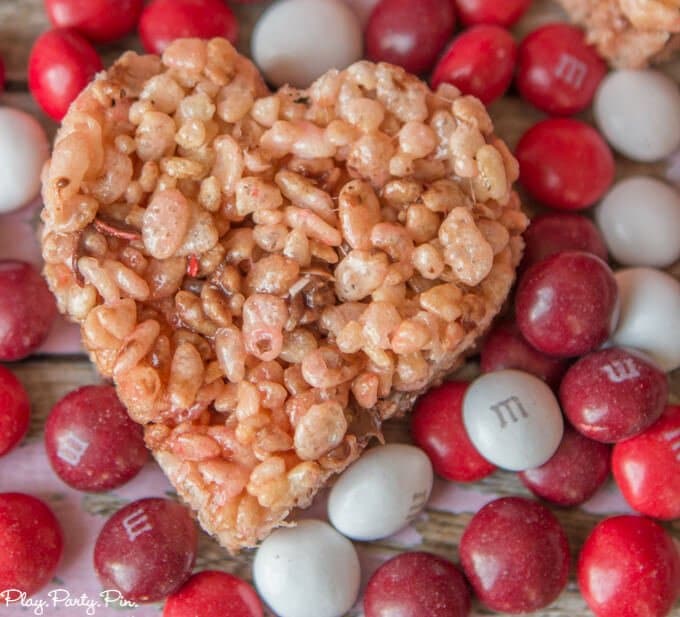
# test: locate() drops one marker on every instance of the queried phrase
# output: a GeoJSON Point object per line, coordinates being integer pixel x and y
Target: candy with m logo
{"type": "Point", "coordinates": [613, 394]}
{"type": "Point", "coordinates": [91, 442]}
{"type": "Point", "coordinates": [513, 419]}
{"type": "Point", "coordinates": [156, 540]}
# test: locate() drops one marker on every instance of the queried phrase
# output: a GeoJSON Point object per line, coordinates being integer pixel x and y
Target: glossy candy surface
{"type": "Point", "coordinates": [309, 570]}
{"type": "Point", "coordinates": [565, 164]}
{"type": "Point", "coordinates": [409, 34]}
{"type": "Point", "coordinates": [513, 419]}
{"type": "Point", "coordinates": [505, 13]}
{"type": "Point", "coordinates": [417, 585]}
{"type": "Point", "coordinates": [640, 221]}
{"type": "Point", "coordinates": [31, 543]}
{"type": "Point", "coordinates": [285, 57]}
{"type": "Point", "coordinates": [565, 304]}
{"type": "Point", "coordinates": [437, 428]}
{"type": "Point", "coordinates": [573, 474]}
{"type": "Point", "coordinates": [211, 593]}
{"type": "Point", "coordinates": [61, 64]}
{"type": "Point", "coordinates": [515, 555]}
{"type": "Point", "coordinates": [629, 567]}
{"type": "Point", "coordinates": [649, 316]}
{"type": "Point", "coordinates": [557, 71]}
{"type": "Point", "coordinates": [23, 152]}
{"type": "Point", "coordinates": [637, 112]}
{"type": "Point", "coordinates": [102, 21]}
{"type": "Point", "coordinates": [91, 442]}
{"type": "Point", "coordinates": [480, 62]}
{"type": "Point", "coordinates": [505, 347]}
{"type": "Point", "coordinates": [27, 310]}
{"type": "Point", "coordinates": [156, 540]}
{"type": "Point", "coordinates": [163, 21]}
{"type": "Point", "coordinates": [613, 394]}
{"type": "Point", "coordinates": [555, 232]}
{"type": "Point", "coordinates": [647, 467]}
{"type": "Point", "coordinates": [381, 492]}
{"type": "Point", "coordinates": [15, 409]}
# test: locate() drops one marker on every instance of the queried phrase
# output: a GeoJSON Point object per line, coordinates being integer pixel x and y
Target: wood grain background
{"type": "Point", "coordinates": [47, 379]}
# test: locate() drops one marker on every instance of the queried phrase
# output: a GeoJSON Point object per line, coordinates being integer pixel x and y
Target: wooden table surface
{"type": "Point", "coordinates": [49, 378]}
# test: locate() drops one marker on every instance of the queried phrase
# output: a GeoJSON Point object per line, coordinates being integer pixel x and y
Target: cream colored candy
{"type": "Point", "coordinates": [650, 315]}
{"type": "Point", "coordinates": [308, 570]}
{"type": "Point", "coordinates": [637, 112]}
{"type": "Point", "coordinates": [640, 221]}
{"type": "Point", "coordinates": [297, 41]}
{"type": "Point", "coordinates": [381, 493]}
{"type": "Point", "coordinates": [23, 152]}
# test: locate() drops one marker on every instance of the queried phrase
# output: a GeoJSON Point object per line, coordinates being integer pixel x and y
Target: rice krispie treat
{"type": "Point", "coordinates": [267, 277]}
{"type": "Point", "coordinates": [629, 33]}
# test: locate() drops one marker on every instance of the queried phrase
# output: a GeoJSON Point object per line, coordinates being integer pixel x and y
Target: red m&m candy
{"type": "Point", "coordinates": [156, 540]}
{"type": "Point", "coordinates": [613, 394]}
{"type": "Point", "coordinates": [565, 164]}
{"type": "Point", "coordinates": [410, 34]}
{"type": "Point", "coordinates": [647, 467]}
{"type": "Point", "coordinates": [515, 555]}
{"type": "Point", "coordinates": [31, 543]}
{"type": "Point", "coordinates": [479, 62]}
{"type": "Point", "coordinates": [554, 232]}
{"type": "Point", "coordinates": [574, 473]}
{"type": "Point", "coordinates": [505, 347]}
{"type": "Point", "coordinates": [27, 310]}
{"type": "Point", "coordinates": [91, 442]}
{"type": "Point", "coordinates": [163, 21]}
{"type": "Point", "coordinates": [14, 411]}
{"type": "Point", "coordinates": [566, 303]}
{"type": "Point", "coordinates": [102, 21]}
{"type": "Point", "coordinates": [499, 12]}
{"type": "Point", "coordinates": [61, 64]}
{"type": "Point", "coordinates": [417, 585]}
{"type": "Point", "coordinates": [557, 71]}
{"type": "Point", "coordinates": [629, 567]}
{"type": "Point", "coordinates": [214, 594]}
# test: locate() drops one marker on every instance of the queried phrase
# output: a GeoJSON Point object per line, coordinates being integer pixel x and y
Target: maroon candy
{"type": "Point", "coordinates": [515, 555]}
{"type": "Point", "coordinates": [565, 304]}
{"type": "Point", "coordinates": [613, 394]}
{"type": "Point", "coordinates": [573, 474]}
{"type": "Point", "coordinates": [91, 442]}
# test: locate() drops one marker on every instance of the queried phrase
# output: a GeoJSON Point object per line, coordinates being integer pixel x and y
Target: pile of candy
{"type": "Point", "coordinates": [574, 379]}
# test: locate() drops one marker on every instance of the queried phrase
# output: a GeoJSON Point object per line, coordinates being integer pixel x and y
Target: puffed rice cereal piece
{"type": "Point", "coordinates": [629, 33]}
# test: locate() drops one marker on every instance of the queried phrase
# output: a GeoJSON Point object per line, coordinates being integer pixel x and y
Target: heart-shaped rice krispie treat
{"type": "Point", "coordinates": [629, 33]}
{"type": "Point", "coordinates": [267, 277]}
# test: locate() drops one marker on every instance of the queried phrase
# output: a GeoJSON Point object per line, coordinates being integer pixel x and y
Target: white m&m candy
{"type": "Point", "coordinates": [296, 41]}
{"type": "Point", "coordinates": [650, 315]}
{"type": "Point", "coordinates": [640, 221]}
{"type": "Point", "coordinates": [307, 571]}
{"type": "Point", "coordinates": [637, 111]}
{"type": "Point", "coordinates": [23, 152]}
{"type": "Point", "coordinates": [381, 493]}
{"type": "Point", "coordinates": [513, 419]}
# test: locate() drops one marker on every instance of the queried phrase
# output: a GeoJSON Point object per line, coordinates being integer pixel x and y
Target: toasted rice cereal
{"type": "Point", "coordinates": [629, 33]}
{"type": "Point", "coordinates": [267, 277]}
